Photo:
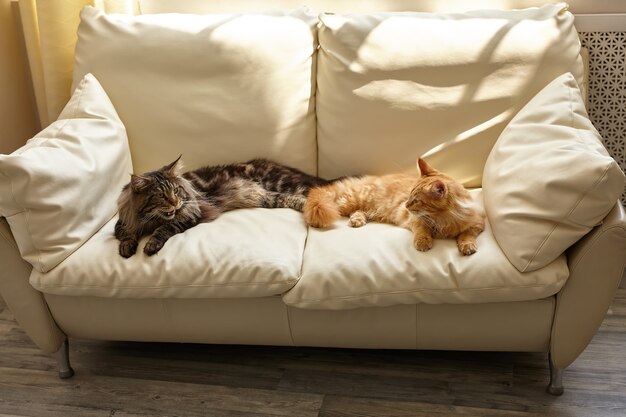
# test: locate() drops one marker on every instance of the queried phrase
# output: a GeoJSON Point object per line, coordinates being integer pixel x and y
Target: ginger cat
{"type": "Point", "coordinates": [431, 206]}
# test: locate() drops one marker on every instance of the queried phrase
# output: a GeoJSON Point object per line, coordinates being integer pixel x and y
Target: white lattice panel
{"type": "Point", "coordinates": [607, 90]}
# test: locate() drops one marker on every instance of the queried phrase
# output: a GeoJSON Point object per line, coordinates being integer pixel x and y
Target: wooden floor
{"type": "Point", "coordinates": [136, 379]}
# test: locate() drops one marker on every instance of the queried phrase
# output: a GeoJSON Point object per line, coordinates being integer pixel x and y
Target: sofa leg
{"type": "Point", "coordinates": [63, 357]}
{"type": "Point", "coordinates": [556, 379]}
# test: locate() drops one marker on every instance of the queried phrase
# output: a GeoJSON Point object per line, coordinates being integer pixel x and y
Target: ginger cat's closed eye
{"type": "Point", "coordinates": [432, 206]}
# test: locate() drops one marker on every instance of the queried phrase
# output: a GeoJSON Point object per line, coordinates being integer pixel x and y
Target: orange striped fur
{"type": "Point", "coordinates": [432, 206]}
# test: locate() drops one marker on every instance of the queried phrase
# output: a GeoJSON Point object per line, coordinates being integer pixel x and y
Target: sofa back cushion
{"type": "Point", "coordinates": [394, 86]}
{"type": "Point", "coordinates": [216, 88]}
{"type": "Point", "coordinates": [548, 179]}
{"type": "Point", "coordinates": [61, 187]}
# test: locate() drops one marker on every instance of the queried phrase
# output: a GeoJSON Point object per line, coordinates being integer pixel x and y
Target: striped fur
{"type": "Point", "coordinates": [165, 202]}
{"type": "Point", "coordinates": [431, 206]}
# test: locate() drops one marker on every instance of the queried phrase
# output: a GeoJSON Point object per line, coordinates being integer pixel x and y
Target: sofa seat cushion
{"type": "Point", "coordinates": [244, 253]}
{"type": "Point", "coordinates": [376, 265]}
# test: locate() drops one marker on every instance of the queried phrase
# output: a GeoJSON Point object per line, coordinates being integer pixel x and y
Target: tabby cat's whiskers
{"type": "Point", "coordinates": [146, 204]}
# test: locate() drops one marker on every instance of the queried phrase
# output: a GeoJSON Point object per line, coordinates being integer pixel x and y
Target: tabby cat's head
{"type": "Point", "coordinates": [156, 195]}
{"type": "Point", "coordinates": [435, 192]}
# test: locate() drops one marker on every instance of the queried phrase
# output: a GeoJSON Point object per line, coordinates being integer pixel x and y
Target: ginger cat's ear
{"type": "Point", "coordinates": [175, 167]}
{"type": "Point", "coordinates": [424, 168]}
{"type": "Point", "coordinates": [438, 190]}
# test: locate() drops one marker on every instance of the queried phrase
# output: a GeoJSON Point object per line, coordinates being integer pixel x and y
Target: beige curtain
{"type": "Point", "coordinates": [50, 35]}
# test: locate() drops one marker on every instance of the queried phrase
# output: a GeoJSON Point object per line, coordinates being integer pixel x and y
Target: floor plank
{"type": "Point", "coordinates": [145, 397]}
{"type": "Point", "coordinates": [160, 379]}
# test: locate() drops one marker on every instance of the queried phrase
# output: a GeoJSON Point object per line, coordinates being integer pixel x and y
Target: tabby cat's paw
{"type": "Point", "coordinates": [128, 248]}
{"type": "Point", "coordinates": [152, 247]}
{"type": "Point", "coordinates": [423, 243]}
{"type": "Point", "coordinates": [467, 248]}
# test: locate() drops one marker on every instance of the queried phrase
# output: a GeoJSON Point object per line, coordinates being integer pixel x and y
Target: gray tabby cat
{"type": "Point", "coordinates": [165, 202]}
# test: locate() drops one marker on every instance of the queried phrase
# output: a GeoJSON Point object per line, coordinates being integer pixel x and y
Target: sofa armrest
{"type": "Point", "coordinates": [27, 304]}
{"type": "Point", "coordinates": [596, 264]}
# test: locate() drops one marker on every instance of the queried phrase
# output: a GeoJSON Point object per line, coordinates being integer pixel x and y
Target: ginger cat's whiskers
{"type": "Point", "coordinates": [431, 206]}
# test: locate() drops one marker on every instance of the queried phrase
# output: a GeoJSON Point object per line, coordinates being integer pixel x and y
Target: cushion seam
{"type": "Point", "coordinates": [106, 222]}
{"type": "Point", "coordinates": [9, 240]}
{"type": "Point", "coordinates": [582, 197]}
{"type": "Point", "coordinates": [169, 286]}
{"type": "Point", "coordinates": [293, 343]}
{"type": "Point", "coordinates": [546, 237]}
{"type": "Point", "coordinates": [591, 244]}
{"type": "Point", "coordinates": [364, 295]}
{"type": "Point", "coordinates": [306, 239]}
{"type": "Point", "coordinates": [566, 217]}
{"type": "Point", "coordinates": [589, 248]}
{"type": "Point", "coordinates": [417, 325]}
{"type": "Point", "coordinates": [26, 212]}
{"type": "Point", "coordinates": [12, 194]}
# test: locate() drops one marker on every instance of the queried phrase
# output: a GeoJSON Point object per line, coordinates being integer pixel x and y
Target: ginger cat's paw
{"type": "Point", "coordinates": [357, 219]}
{"type": "Point", "coordinates": [467, 248]}
{"type": "Point", "coordinates": [423, 243]}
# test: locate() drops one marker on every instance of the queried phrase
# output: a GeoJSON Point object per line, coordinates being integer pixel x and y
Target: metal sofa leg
{"type": "Point", "coordinates": [555, 387]}
{"type": "Point", "coordinates": [63, 357]}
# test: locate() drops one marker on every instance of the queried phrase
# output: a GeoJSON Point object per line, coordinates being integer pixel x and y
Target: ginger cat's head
{"type": "Point", "coordinates": [435, 193]}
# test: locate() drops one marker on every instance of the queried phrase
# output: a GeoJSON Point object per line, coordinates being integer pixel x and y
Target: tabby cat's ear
{"type": "Point", "coordinates": [438, 190]}
{"type": "Point", "coordinates": [138, 183]}
{"type": "Point", "coordinates": [175, 167]}
{"type": "Point", "coordinates": [425, 169]}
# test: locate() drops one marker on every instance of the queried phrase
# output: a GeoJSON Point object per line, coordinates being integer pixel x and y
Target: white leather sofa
{"type": "Point", "coordinates": [333, 95]}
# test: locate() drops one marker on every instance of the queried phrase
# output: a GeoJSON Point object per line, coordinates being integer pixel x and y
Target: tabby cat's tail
{"type": "Point", "coordinates": [320, 209]}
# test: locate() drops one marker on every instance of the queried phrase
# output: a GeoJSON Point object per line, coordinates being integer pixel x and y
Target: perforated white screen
{"type": "Point", "coordinates": [607, 90]}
